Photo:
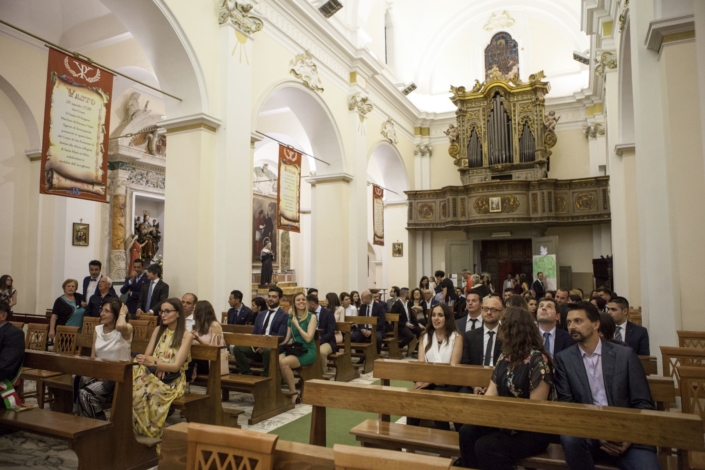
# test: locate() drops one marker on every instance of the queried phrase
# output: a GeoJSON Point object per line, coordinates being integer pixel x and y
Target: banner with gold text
{"type": "Point", "coordinates": [289, 190]}
{"type": "Point", "coordinates": [377, 215]}
{"type": "Point", "coordinates": [76, 125]}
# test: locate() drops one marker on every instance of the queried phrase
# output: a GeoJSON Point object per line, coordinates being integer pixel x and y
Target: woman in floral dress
{"type": "Point", "coordinates": [524, 370]}
{"type": "Point", "coordinates": [160, 378]}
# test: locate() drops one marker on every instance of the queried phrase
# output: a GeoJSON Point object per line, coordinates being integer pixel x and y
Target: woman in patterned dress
{"type": "Point", "coordinates": [523, 370]}
{"type": "Point", "coordinates": [302, 329]}
{"type": "Point", "coordinates": [160, 378]}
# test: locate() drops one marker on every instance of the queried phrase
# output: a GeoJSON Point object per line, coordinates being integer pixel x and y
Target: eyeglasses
{"type": "Point", "coordinates": [491, 309]}
{"type": "Point", "coordinates": [167, 312]}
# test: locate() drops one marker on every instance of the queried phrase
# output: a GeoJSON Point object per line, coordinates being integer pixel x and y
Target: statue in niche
{"type": "Point", "coordinates": [551, 121]}
{"type": "Point", "coordinates": [133, 109]}
{"type": "Point", "coordinates": [503, 53]}
{"type": "Point", "coordinates": [452, 133]}
{"type": "Point", "coordinates": [265, 180]}
{"type": "Point", "coordinates": [148, 236]}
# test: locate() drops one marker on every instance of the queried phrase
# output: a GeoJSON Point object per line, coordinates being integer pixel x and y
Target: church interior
{"type": "Point", "coordinates": [498, 138]}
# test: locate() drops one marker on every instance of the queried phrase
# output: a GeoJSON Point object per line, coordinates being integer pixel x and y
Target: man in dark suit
{"type": "Point", "coordinates": [270, 322]}
{"type": "Point", "coordinates": [538, 287]}
{"type": "Point", "coordinates": [326, 324]}
{"type": "Point", "coordinates": [11, 357]}
{"type": "Point", "coordinates": [636, 337]}
{"type": "Point", "coordinates": [555, 339]}
{"type": "Point", "coordinates": [408, 324]}
{"type": "Point", "coordinates": [239, 313]}
{"type": "Point", "coordinates": [481, 347]}
{"type": "Point", "coordinates": [90, 283]}
{"type": "Point", "coordinates": [133, 286]}
{"type": "Point", "coordinates": [369, 308]}
{"type": "Point", "coordinates": [598, 372]}
{"type": "Point", "coordinates": [377, 298]}
{"type": "Point", "coordinates": [473, 309]}
{"type": "Point", "coordinates": [154, 293]}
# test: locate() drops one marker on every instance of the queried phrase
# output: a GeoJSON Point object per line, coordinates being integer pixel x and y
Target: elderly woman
{"type": "Point", "coordinates": [102, 293]}
{"type": "Point", "coordinates": [67, 308]}
{"type": "Point", "coordinates": [112, 340]}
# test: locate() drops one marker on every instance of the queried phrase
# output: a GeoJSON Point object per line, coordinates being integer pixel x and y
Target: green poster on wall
{"type": "Point", "coordinates": [547, 265]}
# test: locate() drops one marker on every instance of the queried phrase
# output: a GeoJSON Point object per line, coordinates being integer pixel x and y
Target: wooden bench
{"type": "Point", "coordinates": [342, 359]}
{"type": "Point", "coordinates": [17, 324]}
{"type": "Point", "coordinates": [287, 455]}
{"type": "Point", "coordinates": [649, 364]}
{"type": "Point", "coordinates": [247, 329]}
{"type": "Point", "coordinates": [672, 358]}
{"type": "Point", "coordinates": [311, 371]}
{"type": "Point", "coordinates": [366, 351]}
{"type": "Point", "coordinates": [269, 398]}
{"type": "Point", "coordinates": [691, 339]}
{"type": "Point", "coordinates": [692, 395]}
{"type": "Point", "coordinates": [391, 341]}
{"type": "Point", "coordinates": [98, 444]}
{"type": "Point", "coordinates": [89, 324]}
{"type": "Point", "coordinates": [658, 428]}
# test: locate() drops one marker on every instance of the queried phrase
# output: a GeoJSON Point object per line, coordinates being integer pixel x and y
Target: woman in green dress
{"type": "Point", "coordinates": [301, 329]}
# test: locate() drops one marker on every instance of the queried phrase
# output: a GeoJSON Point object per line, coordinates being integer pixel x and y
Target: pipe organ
{"type": "Point", "coordinates": [502, 132]}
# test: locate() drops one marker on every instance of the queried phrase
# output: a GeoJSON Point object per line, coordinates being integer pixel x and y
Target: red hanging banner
{"type": "Point", "coordinates": [289, 190]}
{"type": "Point", "coordinates": [377, 215]}
{"type": "Point", "coordinates": [76, 125]}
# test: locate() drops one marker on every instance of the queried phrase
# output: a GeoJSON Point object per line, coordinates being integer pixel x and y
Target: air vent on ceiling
{"type": "Point", "coordinates": [409, 89]}
{"type": "Point", "coordinates": [330, 8]}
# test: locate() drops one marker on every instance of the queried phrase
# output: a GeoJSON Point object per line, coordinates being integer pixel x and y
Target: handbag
{"type": "Point", "coordinates": [217, 340]}
{"type": "Point", "coordinates": [295, 349]}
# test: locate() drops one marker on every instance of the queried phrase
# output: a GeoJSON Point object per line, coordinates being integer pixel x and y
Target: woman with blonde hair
{"type": "Point", "coordinates": [301, 332]}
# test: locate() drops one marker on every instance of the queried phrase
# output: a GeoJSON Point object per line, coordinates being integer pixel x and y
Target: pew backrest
{"type": "Point", "coordinates": [354, 458]}
{"type": "Point", "coordinates": [345, 328]}
{"type": "Point", "coordinates": [366, 321]}
{"type": "Point", "coordinates": [692, 390]}
{"type": "Point", "coordinates": [691, 339]}
{"type": "Point", "coordinates": [213, 446]}
{"type": "Point", "coordinates": [672, 358]}
{"type": "Point", "coordinates": [17, 324]}
{"type": "Point", "coordinates": [65, 340]}
{"type": "Point", "coordinates": [247, 329]}
{"type": "Point", "coordinates": [89, 324]}
{"type": "Point", "coordinates": [140, 328]}
{"type": "Point", "coordinates": [257, 341]}
{"type": "Point", "coordinates": [36, 339]}
{"type": "Point", "coordinates": [649, 364]}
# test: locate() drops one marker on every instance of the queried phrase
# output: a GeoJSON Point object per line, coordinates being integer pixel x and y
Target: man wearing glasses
{"type": "Point", "coordinates": [481, 346]}
{"type": "Point", "coordinates": [271, 322]}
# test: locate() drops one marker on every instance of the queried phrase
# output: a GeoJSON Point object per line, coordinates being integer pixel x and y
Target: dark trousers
{"type": "Point", "coordinates": [581, 453]}
{"type": "Point", "coordinates": [495, 449]}
{"type": "Point", "coordinates": [444, 425]}
{"type": "Point", "coordinates": [243, 354]}
{"type": "Point", "coordinates": [406, 335]}
{"type": "Point", "coordinates": [358, 337]}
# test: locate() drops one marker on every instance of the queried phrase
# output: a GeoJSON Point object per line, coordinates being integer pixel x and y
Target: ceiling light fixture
{"type": "Point", "coordinates": [409, 89]}
{"type": "Point", "coordinates": [330, 8]}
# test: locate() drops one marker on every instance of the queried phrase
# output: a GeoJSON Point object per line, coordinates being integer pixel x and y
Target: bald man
{"type": "Point", "coordinates": [369, 308]}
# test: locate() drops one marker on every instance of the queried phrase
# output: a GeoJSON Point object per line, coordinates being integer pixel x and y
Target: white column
{"type": "Point", "coordinates": [357, 217]}
{"type": "Point", "coordinates": [659, 278]}
{"type": "Point", "coordinates": [597, 145]}
{"type": "Point", "coordinates": [699, 13]}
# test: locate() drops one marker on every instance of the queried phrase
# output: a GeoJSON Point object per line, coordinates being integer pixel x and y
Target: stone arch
{"type": "Point", "coordinates": [28, 119]}
{"type": "Point", "coordinates": [393, 171]}
{"type": "Point", "coordinates": [315, 117]}
{"type": "Point", "coordinates": [626, 94]}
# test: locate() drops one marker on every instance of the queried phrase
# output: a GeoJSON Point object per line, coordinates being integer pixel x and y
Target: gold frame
{"type": "Point", "coordinates": [496, 201]}
{"type": "Point", "coordinates": [397, 250]}
{"type": "Point", "coordinates": [77, 227]}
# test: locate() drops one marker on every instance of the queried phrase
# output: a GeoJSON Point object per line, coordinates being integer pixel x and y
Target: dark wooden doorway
{"type": "Point", "coordinates": [501, 257]}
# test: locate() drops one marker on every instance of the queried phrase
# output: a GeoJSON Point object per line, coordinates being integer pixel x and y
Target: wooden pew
{"type": "Point", "coordinates": [269, 398]}
{"type": "Point", "coordinates": [247, 329]}
{"type": "Point", "coordinates": [691, 339]}
{"type": "Point", "coordinates": [692, 394]}
{"type": "Point", "coordinates": [368, 351]}
{"type": "Point", "coordinates": [311, 371]}
{"type": "Point", "coordinates": [342, 359]}
{"type": "Point", "coordinates": [287, 455]}
{"type": "Point", "coordinates": [391, 342]}
{"type": "Point", "coordinates": [663, 429]}
{"type": "Point", "coordinates": [35, 340]}
{"type": "Point", "coordinates": [17, 324]}
{"type": "Point", "coordinates": [98, 444]}
{"type": "Point", "coordinates": [672, 358]}
{"type": "Point", "coordinates": [649, 364]}
{"type": "Point", "coordinates": [89, 324]}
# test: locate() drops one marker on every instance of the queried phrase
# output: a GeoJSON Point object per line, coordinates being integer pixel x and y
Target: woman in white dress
{"type": "Point", "coordinates": [112, 340]}
{"type": "Point", "coordinates": [440, 343]}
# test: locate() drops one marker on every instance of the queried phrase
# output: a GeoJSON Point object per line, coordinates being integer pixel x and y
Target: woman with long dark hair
{"type": "Point", "coordinates": [160, 379]}
{"type": "Point", "coordinates": [206, 330]}
{"type": "Point", "coordinates": [348, 307]}
{"type": "Point", "coordinates": [424, 284]}
{"type": "Point", "coordinates": [356, 302]}
{"type": "Point", "coordinates": [417, 304]}
{"type": "Point", "coordinates": [524, 370]}
{"type": "Point", "coordinates": [7, 292]}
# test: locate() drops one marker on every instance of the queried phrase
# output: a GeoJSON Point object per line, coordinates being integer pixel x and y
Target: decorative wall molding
{"type": "Point", "coordinates": [591, 132]}
{"type": "Point", "coordinates": [361, 104]}
{"type": "Point", "coordinates": [389, 132]}
{"type": "Point", "coordinates": [33, 155]}
{"type": "Point", "coordinates": [605, 61]}
{"type": "Point", "coordinates": [190, 122]}
{"type": "Point", "coordinates": [680, 27]}
{"type": "Point", "coordinates": [424, 150]}
{"type": "Point", "coordinates": [305, 69]}
{"type": "Point", "coordinates": [331, 178]}
{"type": "Point", "coordinates": [238, 14]}
{"type": "Point", "coordinates": [625, 149]}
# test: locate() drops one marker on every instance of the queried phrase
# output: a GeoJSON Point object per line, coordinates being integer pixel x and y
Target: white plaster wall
{"type": "Point", "coordinates": [571, 155]}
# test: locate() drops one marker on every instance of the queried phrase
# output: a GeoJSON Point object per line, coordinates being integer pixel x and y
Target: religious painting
{"type": "Point", "coordinates": [397, 250]}
{"type": "Point", "coordinates": [81, 233]}
{"type": "Point", "coordinates": [146, 238]}
{"type": "Point", "coordinates": [503, 53]}
{"type": "Point", "coordinates": [265, 180]}
{"type": "Point", "coordinates": [264, 213]}
{"type": "Point", "coordinates": [495, 204]}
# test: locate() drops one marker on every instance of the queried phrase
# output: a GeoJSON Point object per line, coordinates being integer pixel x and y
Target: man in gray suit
{"type": "Point", "coordinates": [596, 371]}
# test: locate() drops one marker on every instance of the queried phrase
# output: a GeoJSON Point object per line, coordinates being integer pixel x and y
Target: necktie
{"type": "Point", "coordinates": [618, 334]}
{"type": "Point", "coordinates": [489, 350]}
{"type": "Point", "coordinates": [547, 342]}
{"type": "Point", "coordinates": [474, 324]}
{"type": "Point", "coordinates": [266, 321]}
{"type": "Point", "coordinates": [149, 297]}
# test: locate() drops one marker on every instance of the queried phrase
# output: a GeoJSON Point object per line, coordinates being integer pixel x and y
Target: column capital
{"type": "Point", "coordinates": [361, 104]}
{"type": "Point", "coordinates": [605, 62]}
{"type": "Point", "coordinates": [190, 122]}
{"type": "Point", "coordinates": [591, 132]}
{"type": "Point", "coordinates": [330, 178]}
{"type": "Point", "coordinates": [425, 150]}
{"type": "Point", "coordinates": [237, 14]}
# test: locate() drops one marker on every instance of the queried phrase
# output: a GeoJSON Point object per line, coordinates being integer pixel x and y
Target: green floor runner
{"type": "Point", "coordinates": [338, 424]}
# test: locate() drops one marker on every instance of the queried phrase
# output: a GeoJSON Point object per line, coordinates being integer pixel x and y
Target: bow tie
{"type": "Point", "coordinates": [94, 280]}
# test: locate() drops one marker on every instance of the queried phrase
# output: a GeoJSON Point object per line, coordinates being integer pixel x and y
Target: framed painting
{"type": "Point", "coordinates": [495, 204]}
{"type": "Point", "coordinates": [81, 234]}
{"type": "Point", "coordinates": [397, 250]}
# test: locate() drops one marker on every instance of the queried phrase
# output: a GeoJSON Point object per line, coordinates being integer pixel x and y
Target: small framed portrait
{"type": "Point", "coordinates": [495, 204]}
{"type": "Point", "coordinates": [81, 234]}
{"type": "Point", "coordinates": [397, 250]}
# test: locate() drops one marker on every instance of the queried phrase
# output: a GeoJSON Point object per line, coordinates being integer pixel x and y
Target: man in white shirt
{"type": "Point", "coordinates": [481, 347]}
{"type": "Point", "coordinates": [633, 335]}
{"type": "Point", "coordinates": [189, 301]}
{"type": "Point", "coordinates": [509, 282]}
